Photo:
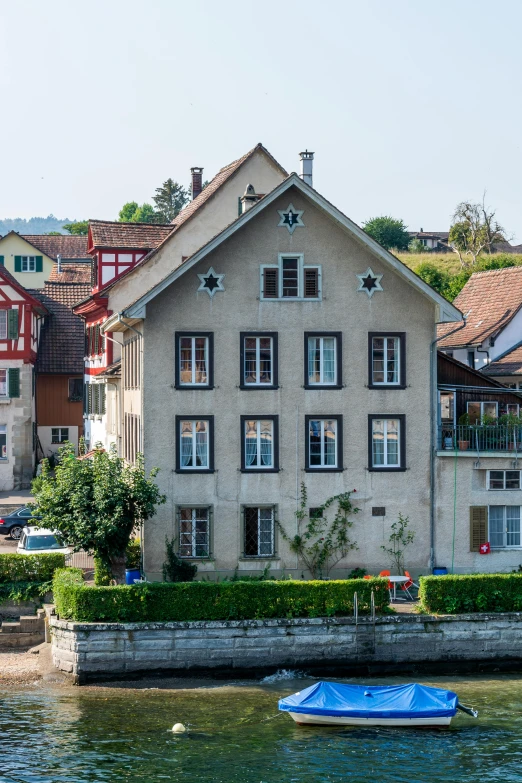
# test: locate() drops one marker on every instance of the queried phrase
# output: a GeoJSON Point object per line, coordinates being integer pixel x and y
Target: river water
{"type": "Point", "coordinates": [55, 734]}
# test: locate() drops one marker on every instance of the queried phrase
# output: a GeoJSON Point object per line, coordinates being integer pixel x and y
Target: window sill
{"type": "Point", "coordinates": [257, 558]}
{"type": "Point", "coordinates": [257, 387]}
{"type": "Point", "coordinates": [191, 471]}
{"type": "Point", "coordinates": [387, 470]}
{"type": "Point", "coordinates": [5, 401]}
{"type": "Point", "coordinates": [209, 559]}
{"type": "Point", "coordinates": [324, 470]}
{"type": "Point", "coordinates": [259, 470]}
{"type": "Point", "coordinates": [290, 299]}
{"type": "Point", "coordinates": [192, 387]}
{"type": "Point", "coordinates": [321, 386]}
{"type": "Point", "coordinates": [387, 386]}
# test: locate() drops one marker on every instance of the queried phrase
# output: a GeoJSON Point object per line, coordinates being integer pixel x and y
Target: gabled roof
{"type": "Point", "coordinates": [508, 363]}
{"type": "Point", "coordinates": [26, 293]}
{"type": "Point", "coordinates": [447, 311]}
{"type": "Point", "coordinates": [135, 236]}
{"type": "Point", "coordinates": [71, 274]}
{"type": "Point", "coordinates": [489, 301]}
{"type": "Point", "coordinates": [62, 341]}
{"type": "Point", "coordinates": [68, 246]}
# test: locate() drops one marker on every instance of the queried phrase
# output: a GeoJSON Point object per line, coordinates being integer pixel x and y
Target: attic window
{"type": "Point", "coordinates": [290, 278]}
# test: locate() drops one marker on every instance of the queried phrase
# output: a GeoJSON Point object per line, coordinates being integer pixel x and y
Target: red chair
{"type": "Point", "coordinates": [368, 576]}
{"type": "Point", "coordinates": [390, 586]}
{"type": "Point", "coordinates": [410, 583]}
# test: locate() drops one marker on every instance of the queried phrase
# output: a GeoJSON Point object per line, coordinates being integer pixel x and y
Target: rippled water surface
{"type": "Point", "coordinates": [52, 734]}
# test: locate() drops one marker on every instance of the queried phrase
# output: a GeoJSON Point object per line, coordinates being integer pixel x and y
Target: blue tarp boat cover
{"type": "Point", "coordinates": [373, 701]}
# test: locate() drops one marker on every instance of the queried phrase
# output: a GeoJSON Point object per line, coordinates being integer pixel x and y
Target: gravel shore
{"type": "Point", "coordinates": [19, 666]}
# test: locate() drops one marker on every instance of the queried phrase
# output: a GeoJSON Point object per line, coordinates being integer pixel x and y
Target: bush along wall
{"type": "Point", "coordinates": [473, 593]}
{"type": "Point", "coordinates": [27, 577]}
{"type": "Point", "coordinates": [192, 601]}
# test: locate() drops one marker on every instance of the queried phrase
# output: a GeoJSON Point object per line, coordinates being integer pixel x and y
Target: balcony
{"type": "Point", "coordinates": [480, 438]}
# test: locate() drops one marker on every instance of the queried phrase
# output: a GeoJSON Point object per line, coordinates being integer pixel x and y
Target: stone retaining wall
{"type": "Point", "coordinates": [91, 651]}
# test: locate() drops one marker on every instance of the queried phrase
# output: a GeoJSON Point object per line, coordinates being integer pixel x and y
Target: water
{"type": "Point", "coordinates": [53, 734]}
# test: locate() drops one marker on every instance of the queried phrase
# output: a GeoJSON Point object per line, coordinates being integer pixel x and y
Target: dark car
{"type": "Point", "coordinates": [14, 523]}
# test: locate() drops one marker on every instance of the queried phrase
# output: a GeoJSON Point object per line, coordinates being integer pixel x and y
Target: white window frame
{"type": "Point", "coordinates": [193, 381]}
{"type": "Point", "coordinates": [321, 339]}
{"type": "Point", "coordinates": [301, 266]}
{"type": "Point", "coordinates": [322, 465]}
{"type": "Point", "coordinates": [257, 382]}
{"type": "Point", "coordinates": [5, 395]}
{"type": "Point", "coordinates": [195, 512]}
{"type": "Point", "coordinates": [482, 403]}
{"type": "Point", "coordinates": [505, 545]}
{"type": "Point", "coordinates": [194, 422]}
{"type": "Point", "coordinates": [3, 324]}
{"type": "Point", "coordinates": [385, 382]}
{"type": "Point", "coordinates": [258, 464]}
{"type": "Point", "coordinates": [60, 431]}
{"type": "Point", "coordinates": [386, 463]}
{"type": "Point", "coordinates": [3, 453]}
{"type": "Point", "coordinates": [29, 262]}
{"type": "Point", "coordinates": [504, 488]}
{"type": "Point", "coordinates": [272, 531]}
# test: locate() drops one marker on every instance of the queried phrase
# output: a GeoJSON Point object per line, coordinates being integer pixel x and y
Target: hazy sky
{"type": "Point", "coordinates": [409, 105]}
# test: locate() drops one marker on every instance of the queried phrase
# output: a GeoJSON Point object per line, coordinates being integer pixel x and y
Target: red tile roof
{"type": "Point", "coordinates": [489, 300]}
{"type": "Point", "coordinates": [65, 245]}
{"type": "Point", "coordinates": [509, 363]}
{"type": "Point", "coordinates": [71, 273]}
{"type": "Point", "coordinates": [136, 236]}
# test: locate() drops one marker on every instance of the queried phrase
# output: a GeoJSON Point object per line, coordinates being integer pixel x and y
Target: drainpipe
{"type": "Point", "coordinates": [433, 393]}
{"type": "Point", "coordinates": [484, 350]}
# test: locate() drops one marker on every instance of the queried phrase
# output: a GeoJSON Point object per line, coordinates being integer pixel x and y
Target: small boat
{"type": "Point", "coordinates": [335, 704]}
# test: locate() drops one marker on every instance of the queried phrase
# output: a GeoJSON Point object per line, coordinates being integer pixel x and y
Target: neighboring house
{"type": "Point", "coordinates": [60, 363]}
{"type": "Point", "coordinates": [280, 353]}
{"type": "Point", "coordinates": [491, 303]}
{"type": "Point", "coordinates": [31, 258]}
{"type": "Point", "coordinates": [507, 367]}
{"type": "Point", "coordinates": [21, 317]}
{"type": "Point", "coordinates": [478, 482]}
{"type": "Point", "coordinates": [432, 240]}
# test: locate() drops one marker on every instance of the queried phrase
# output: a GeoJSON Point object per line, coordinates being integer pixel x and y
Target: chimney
{"type": "Point", "coordinates": [307, 165]}
{"type": "Point", "coordinates": [197, 181]}
{"type": "Point", "coordinates": [249, 198]}
{"type": "Point", "coordinates": [59, 262]}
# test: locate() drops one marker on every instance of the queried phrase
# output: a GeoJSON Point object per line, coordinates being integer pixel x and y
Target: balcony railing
{"type": "Point", "coordinates": [480, 437]}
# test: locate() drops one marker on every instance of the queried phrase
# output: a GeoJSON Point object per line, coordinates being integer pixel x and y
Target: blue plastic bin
{"type": "Point", "coordinates": [440, 571]}
{"type": "Point", "coordinates": [131, 575]}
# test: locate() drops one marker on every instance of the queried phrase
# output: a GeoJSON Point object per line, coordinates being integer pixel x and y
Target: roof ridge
{"type": "Point", "coordinates": [128, 223]}
{"type": "Point", "coordinates": [500, 269]}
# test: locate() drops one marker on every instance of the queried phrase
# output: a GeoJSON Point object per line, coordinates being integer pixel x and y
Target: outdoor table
{"type": "Point", "coordinates": [395, 580]}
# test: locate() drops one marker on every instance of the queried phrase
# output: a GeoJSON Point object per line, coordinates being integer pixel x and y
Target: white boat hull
{"type": "Point", "coordinates": [333, 720]}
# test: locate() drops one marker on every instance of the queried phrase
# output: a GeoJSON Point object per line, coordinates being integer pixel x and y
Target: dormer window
{"type": "Point", "coordinates": [290, 278]}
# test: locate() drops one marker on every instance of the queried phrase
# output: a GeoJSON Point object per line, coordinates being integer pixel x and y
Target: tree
{"type": "Point", "coordinates": [388, 232]}
{"type": "Point", "coordinates": [80, 228]}
{"type": "Point", "coordinates": [170, 199]}
{"type": "Point", "coordinates": [133, 213]}
{"type": "Point", "coordinates": [399, 539]}
{"type": "Point", "coordinates": [96, 502]}
{"type": "Point", "coordinates": [474, 230]}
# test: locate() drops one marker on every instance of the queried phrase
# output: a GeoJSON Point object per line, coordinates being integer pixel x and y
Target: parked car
{"type": "Point", "coordinates": [14, 523]}
{"type": "Point", "coordinates": [37, 540]}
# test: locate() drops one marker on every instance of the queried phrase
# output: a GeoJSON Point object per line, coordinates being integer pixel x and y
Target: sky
{"type": "Point", "coordinates": [410, 106]}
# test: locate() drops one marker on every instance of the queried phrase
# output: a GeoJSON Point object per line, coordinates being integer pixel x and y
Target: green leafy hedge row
{"type": "Point", "coordinates": [184, 601]}
{"type": "Point", "coordinates": [30, 568]}
{"type": "Point", "coordinates": [473, 593]}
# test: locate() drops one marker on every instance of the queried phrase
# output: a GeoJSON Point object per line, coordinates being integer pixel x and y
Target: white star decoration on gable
{"type": "Point", "coordinates": [369, 282]}
{"type": "Point", "coordinates": [211, 282]}
{"type": "Point", "coordinates": [291, 218]}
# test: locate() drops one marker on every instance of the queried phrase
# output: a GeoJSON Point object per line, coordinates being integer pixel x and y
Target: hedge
{"type": "Point", "coordinates": [473, 593]}
{"type": "Point", "coordinates": [189, 601]}
{"type": "Point", "coordinates": [30, 568]}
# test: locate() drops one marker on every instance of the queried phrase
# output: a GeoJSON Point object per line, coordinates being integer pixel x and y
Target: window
{"type": "Point", "coordinates": [75, 389]}
{"type": "Point", "coordinates": [503, 479]}
{"type": "Point", "coordinates": [259, 531]}
{"type": "Point", "coordinates": [194, 444]}
{"type": "Point", "coordinates": [194, 360]}
{"type": "Point", "coordinates": [3, 441]}
{"type": "Point", "coordinates": [258, 355]}
{"type": "Point", "coordinates": [477, 411]}
{"type": "Point", "coordinates": [504, 526]}
{"type": "Point", "coordinates": [131, 437]}
{"type": "Point", "coordinates": [59, 434]}
{"type": "Point", "coordinates": [323, 443]}
{"type": "Point", "coordinates": [387, 442]}
{"type": "Point", "coordinates": [94, 399]}
{"type": "Point", "coordinates": [508, 409]}
{"type": "Point", "coordinates": [259, 444]}
{"type": "Point", "coordinates": [3, 324]}
{"type": "Point", "coordinates": [315, 512]}
{"type": "Point", "coordinates": [323, 360]}
{"type": "Point", "coordinates": [387, 360]}
{"type": "Point", "coordinates": [290, 279]}
{"type": "Point", "coordinates": [131, 355]}
{"type": "Point", "coordinates": [471, 359]}
{"type": "Point", "coordinates": [28, 264]}
{"type": "Point", "coordinates": [447, 407]}
{"type": "Point", "coordinates": [194, 529]}
{"type": "Point", "coordinates": [3, 383]}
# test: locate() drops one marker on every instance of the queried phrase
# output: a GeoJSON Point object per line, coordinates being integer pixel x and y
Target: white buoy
{"type": "Point", "coordinates": [178, 728]}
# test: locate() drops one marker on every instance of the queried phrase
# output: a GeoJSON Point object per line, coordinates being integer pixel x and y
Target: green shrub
{"type": "Point", "coordinates": [191, 601]}
{"type": "Point", "coordinates": [102, 572]}
{"type": "Point", "coordinates": [473, 593]}
{"type": "Point", "coordinates": [30, 568]}
{"type": "Point", "coordinates": [133, 554]}
{"type": "Point", "coordinates": [174, 568]}
{"type": "Point", "coordinates": [23, 591]}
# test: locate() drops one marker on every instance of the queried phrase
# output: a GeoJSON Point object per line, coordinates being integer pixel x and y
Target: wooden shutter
{"type": "Point", "coordinates": [311, 283]}
{"type": "Point", "coordinates": [478, 527]}
{"type": "Point", "coordinates": [1, 261]}
{"type": "Point", "coordinates": [90, 405]}
{"type": "Point", "coordinates": [12, 324]}
{"type": "Point", "coordinates": [18, 263]}
{"type": "Point", "coordinates": [86, 399]}
{"type": "Point", "coordinates": [96, 338]}
{"type": "Point", "coordinates": [96, 400]}
{"type": "Point", "coordinates": [39, 263]}
{"type": "Point", "coordinates": [271, 283]}
{"type": "Point", "coordinates": [14, 382]}
{"type": "Point", "coordinates": [103, 407]}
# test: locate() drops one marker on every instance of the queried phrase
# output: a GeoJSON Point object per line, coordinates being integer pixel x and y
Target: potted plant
{"type": "Point", "coordinates": [463, 432]}
{"type": "Point", "coordinates": [133, 561]}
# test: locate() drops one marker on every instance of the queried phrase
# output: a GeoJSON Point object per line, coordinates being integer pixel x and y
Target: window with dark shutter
{"type": "Point", "coordinates": [14, 382]}
{"type": "Point", "coordinates": [96, 339]}
{"type": "Point", "coordinates": [38, 263]}
{"type": "Point", "coordinates": [311, 283]}
{"type": "Point", "coordinates": [18, 263]}
{"type": "Point", "coordinates": [12, 324]}
{"type": "Point", "coordinates": [271, 283]}
{"type": "Point", "coordinates": [478, 527]}
{"type": "Point", "coordinates": [102, 400]}
{"type": "Point", "coordinates": [90, 400]}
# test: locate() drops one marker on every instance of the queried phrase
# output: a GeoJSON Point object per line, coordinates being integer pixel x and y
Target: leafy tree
{"type": "Point", "coordinates": [53, 234]}
{"type": "Point", "coordinates": [128, 211]}
{"type": "Point", "coordinates": [96, 502]}
{"type": "Point", "coordinates": [132, 212]}
{"type": "Point", "coordinates": [319, 543]}
{"type": "Point", "coordinates": [388, 232]}
{"type": "Point", "coordinates": [399, 539]}
{"type": "Point", "coordinates": [474, 230]}
{"type": "Point", "coordinates": [416, 246]}
{"type": "Point", "coordinates": [170, 199]}
{"type": "Point", "coordinates": [80, 228]}
{"type": "Point", "coordinates": [435, 276]}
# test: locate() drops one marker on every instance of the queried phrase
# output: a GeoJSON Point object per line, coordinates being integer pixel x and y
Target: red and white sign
{"type": "Point", "coordinates": [485, 549]}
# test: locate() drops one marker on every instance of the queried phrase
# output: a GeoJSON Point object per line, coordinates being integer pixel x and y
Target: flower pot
{"type": "Point", "coordinates": [463, 445]}
{"type": "Point", "coordinates": [440, 571]}
{"type": "Point", "coordinates": [448, 443]}
{"type": "Point", "coordinates": [131, 574]}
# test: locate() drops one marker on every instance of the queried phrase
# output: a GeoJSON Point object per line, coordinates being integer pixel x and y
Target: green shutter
{"type": "Point", "coordinates": [103, 407]}
{"type": "Point", "coordinates": [12, 324]}
{"type": "Point", "coordinates": [18, 263]}
{"type": "Point", "coordinates": [96, 339]}
{"type": "Point", "coordinates": [39, 263]}
{"type": "Point", "coordinates": [1, 261]}
{"type": "Point", "coordinates": [90, 406]}
{"type": "Point", "coordinates": [14, 382]}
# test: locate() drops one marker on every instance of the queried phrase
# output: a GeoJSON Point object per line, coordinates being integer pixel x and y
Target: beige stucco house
{"type": "Point", "coordinates": [288, 349]}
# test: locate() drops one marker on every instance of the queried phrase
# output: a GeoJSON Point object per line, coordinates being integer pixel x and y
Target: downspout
{"type": "Point", "coordinates": [433, 394]}
{"type": "Point", "coordinates": [483, 350]}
